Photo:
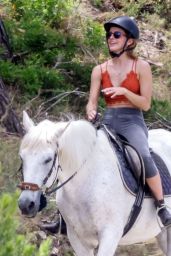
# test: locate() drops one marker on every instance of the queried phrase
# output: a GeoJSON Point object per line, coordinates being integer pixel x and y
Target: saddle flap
{"type": "Point", "coordinates": [132, 157]}
{"type": "Point", "coordinates": [135, 161]}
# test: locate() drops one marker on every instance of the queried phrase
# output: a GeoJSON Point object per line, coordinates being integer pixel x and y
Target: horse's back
{"type": "Point", "coordinates": [160, 135]}
{"type": "Point", "coordinates": [160, 142]}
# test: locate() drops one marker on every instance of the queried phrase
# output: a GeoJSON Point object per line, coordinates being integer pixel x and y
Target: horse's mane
{"type": "Point", "coordinates": [78, 139]}
{"type": "Point", "coordinates": [77, 135]}
{"type": "Point", "coordinates": [40, 135]}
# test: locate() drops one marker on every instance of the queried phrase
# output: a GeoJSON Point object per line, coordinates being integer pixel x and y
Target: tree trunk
{"type": "Point", "coordinates": [8, 118]}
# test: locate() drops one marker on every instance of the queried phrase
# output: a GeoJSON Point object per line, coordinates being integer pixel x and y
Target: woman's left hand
{"type": "Point", "coordinates": [114, 91]}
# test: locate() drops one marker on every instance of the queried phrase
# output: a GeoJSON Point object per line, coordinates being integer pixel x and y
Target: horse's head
{"type": "Point", "coordinates": [42, 148]}
{"type": "Point", "coordinates": [39, 160]}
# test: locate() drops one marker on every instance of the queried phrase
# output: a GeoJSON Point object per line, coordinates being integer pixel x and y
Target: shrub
{"type": "Point", "coordinates": [94, 35]}
{"type": "Point", "coordinates": [12, 243]}
{"type": "Point", "coordinates": [46, 11]}
{"type": "Point", "coordinates": [161, 107]}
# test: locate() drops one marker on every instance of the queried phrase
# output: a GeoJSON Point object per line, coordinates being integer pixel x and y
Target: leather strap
{"type": "Point", "coordinates": [28, 186]}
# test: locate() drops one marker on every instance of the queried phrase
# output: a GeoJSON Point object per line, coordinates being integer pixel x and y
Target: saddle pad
{"type": "Point", "coordinates": [130, 181]}
{"type": "Point", "coordinates": [164, 173]}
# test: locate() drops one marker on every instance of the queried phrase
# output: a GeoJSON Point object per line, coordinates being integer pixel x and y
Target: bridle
{"type": "Point", "coordinates": [34, 187]}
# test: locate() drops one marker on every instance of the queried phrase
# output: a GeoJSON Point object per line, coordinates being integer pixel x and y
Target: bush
{"type": "Point", "coordinates": [32, 77]}
{"type": "Point", "coordinates": [159, 107]}
{"type": "Point", "coordinates": [94, 36]}
{"type": "Point", "coordinates": [46, 11]}
{"type": "Point", "coordinates": [11, 243]}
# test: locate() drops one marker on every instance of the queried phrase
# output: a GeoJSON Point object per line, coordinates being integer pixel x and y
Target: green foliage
{"type": "Point", "coordinates": [60, 45]}
{"type": "Point", "coordinates": [81, 74]}
{"type": "Point", "coordinates": [134, 8]}
{"type": "Point", "coordinates": [11, 243]}
{"type": "Point", "coordinates": [142, 7]}
{"type": "Point", "coordinates": [46, 11]}
{"type": "Point", "coordinates": [161, 107]}
{"type": "Point", "coordinates": [94, 35]}
{"type": "Point", "coordinates": [32, 77]}
{"type": "Point", "coordinates": [30, 32]}
{"type": "Point", "coordinates": [8, 165]}
{"type": "Point", "coordinates": [43, 47]}
{"type": "Point", "coordinates": [33, 36]}
{"type": "Point", "coordinates": [96, 3]}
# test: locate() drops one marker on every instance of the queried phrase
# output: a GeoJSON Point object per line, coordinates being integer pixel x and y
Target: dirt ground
{"type": "Point", "coordinates": [61, 245]}
{"type": "Point", "coordinates": [149, 248]}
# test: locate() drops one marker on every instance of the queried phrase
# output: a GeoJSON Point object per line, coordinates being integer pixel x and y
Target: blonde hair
{"type": "Point", "coordinates": [131, 53]}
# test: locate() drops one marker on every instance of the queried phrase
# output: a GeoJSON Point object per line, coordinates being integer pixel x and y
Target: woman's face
{"type": "Point", "coordinates": [116, 38]}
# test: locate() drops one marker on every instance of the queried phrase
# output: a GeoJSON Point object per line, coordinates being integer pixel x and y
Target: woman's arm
{"type": "Point", "coordinates": [91, 108]}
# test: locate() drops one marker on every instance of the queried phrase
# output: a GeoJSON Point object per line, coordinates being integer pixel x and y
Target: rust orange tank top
{"type": "Point", "coordinates": [131, 82]}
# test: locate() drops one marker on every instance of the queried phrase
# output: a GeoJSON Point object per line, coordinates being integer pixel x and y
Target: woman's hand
{"type": "Point", "coordinates": [115, 91]}
{"type": "Point", "coordinates": [91, 115]}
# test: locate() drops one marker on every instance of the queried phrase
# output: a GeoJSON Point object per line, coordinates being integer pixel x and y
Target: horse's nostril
{"type": "Point", "coordinates": [31, 205]}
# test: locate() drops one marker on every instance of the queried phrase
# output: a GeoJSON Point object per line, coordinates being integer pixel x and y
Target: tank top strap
{"type": "Point", "coordinates": [101, 69]}
{"type": "Point", "coordinates": [134, 65]}
{"type": "Point", "coordinates": [106, 64]}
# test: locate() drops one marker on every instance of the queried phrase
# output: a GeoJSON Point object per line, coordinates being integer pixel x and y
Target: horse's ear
{"type": "Point", "coordinates": [27, 122]}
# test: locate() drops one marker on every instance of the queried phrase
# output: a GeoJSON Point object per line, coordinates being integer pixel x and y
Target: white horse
{"type": "Point", "coordinates": [94, 203]}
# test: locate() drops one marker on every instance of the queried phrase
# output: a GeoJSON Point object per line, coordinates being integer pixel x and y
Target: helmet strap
{"type": "Point", "coordinates": [117, 55]}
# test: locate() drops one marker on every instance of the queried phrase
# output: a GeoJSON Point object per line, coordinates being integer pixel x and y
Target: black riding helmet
{"type": "Point", "coordinates": [128, 25]}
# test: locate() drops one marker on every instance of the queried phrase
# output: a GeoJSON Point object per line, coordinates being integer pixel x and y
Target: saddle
{"type": "Point", "coordinates": [131, 165]}
{"type": "Point", "coordinates": [132, 172]}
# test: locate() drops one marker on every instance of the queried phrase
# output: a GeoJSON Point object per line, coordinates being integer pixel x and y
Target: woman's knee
{"type": "Point", "coordinates": [150, 167]}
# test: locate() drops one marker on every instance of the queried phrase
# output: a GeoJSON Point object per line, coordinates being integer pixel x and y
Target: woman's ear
{"type": "Point", "coordinates": [130, 41]}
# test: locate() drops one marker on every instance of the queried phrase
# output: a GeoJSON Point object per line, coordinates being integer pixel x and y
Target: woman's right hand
{"type": "Point", "coordinates": [91, 115]}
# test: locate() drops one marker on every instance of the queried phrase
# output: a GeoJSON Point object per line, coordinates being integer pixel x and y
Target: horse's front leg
{"type": "Point", "coordinates": [77, 245]}
{"type": "Point", "coordinates": [108, 241]}
{"type": "Point", "coordinates": [162, 240]}
{"type": "Point", "coordinates": [168, 241]}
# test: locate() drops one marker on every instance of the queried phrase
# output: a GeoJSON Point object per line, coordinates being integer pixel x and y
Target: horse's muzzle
{"type": "Point", "coordinates": [30, 203]}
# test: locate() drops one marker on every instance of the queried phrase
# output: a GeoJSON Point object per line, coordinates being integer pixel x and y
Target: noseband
{"type": "Point", "coordinates": [35, 187]}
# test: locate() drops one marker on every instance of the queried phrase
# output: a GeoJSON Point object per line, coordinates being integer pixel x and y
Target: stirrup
{"type": "Point", "coordinates": [158, 217]}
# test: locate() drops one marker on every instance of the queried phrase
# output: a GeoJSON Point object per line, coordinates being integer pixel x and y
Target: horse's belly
{"type": "Point", "coordinates": [146, 226]}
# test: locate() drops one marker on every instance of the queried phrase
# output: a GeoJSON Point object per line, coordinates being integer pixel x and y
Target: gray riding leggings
{"type": "Point", "coordinates": [129, 122]}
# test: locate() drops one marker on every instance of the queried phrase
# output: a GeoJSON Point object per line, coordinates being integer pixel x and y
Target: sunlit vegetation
{"type": "Point", "coordinates": [12, 243]}
{"type": "Point", "coordinates": [57, 45]}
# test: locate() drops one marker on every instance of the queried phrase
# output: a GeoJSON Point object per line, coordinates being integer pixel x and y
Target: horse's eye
{"type": "Point", "coordinates": [47, 160]}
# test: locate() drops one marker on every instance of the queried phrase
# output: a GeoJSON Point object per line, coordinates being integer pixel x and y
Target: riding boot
{"type": "Point", "coordinates": [55, 227]}
{"type": "Point", "coordinates": [163, 213]}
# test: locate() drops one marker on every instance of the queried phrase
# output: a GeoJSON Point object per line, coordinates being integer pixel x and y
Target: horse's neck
{"type": "Point", "coordinates": [76, 146]}
{"type": "Point", "coordinates": [84, 151]}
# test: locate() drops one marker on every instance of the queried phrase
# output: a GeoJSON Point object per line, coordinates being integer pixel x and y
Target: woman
{"type": "Point", "coordinates": [126, 82]}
